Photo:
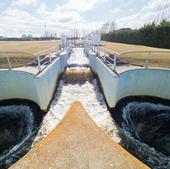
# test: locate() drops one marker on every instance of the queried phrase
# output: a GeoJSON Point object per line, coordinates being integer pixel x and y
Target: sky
{"type": "Point", "coordinates": [34, 17]}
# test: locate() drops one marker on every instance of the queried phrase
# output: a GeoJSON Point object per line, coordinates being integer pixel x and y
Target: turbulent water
{"type": "Point", "coordinates": [95, 105]}
{"type": "Point", "coordinates": [67, 93]}
{"type": "Point", "coordinates": [146, 133]}
{"type": "Point", "coordinates": [17, 128]}
{"type": "Point", "coordinates": [78, 57]}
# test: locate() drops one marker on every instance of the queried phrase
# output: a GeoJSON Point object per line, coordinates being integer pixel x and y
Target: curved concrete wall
{"type": "Point", "coordinates": [138, 82]}
{"type": "Point", "coordinates": [23, 85]}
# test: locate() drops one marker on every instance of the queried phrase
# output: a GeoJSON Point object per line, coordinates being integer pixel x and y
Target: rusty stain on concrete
{"type": "Point", "coordinates": [78, 143]}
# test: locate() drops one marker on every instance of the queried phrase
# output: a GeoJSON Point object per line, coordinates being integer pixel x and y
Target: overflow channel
{"type": "Point", "coordinates": [78, 84]}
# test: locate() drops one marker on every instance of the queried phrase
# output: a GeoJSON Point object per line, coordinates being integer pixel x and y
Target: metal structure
{"type": "Point", "coordinates": [110, 58]}
{"type": "Point", "coordinates": [145, 59]}
{"type": "Point", "coordinates": [45, 57]}
{"type": "Point", "coordinates": [40, 60]}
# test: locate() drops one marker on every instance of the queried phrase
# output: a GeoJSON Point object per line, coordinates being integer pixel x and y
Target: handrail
{"type": "Point", "coordinates": [149, 58]}
{"type": "Point", "coordinates": [10, 58]}
{"type": "Point", "coordinates": [19, 59]}
{"type": "Point", "coordinates": [107, 56]}
{"type": "Point", "coordinates": [18, 52]}
{"type": "Point", "coordinates": [46, 50]}
{"type": "Point", "coordinates": [114, 59]}
{"type": "Point", "coordinates": [108, 51]}
{"type": "Point", "coordinates": [44, 57]}
{"type": "Point", "coordinates": [145, 51]}
{"type": "Point", "coordinates": [40, 60]}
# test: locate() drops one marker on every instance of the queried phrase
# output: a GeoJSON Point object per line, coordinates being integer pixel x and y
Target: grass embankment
{"type": "Point", "coordinates": [27, 47]}
{"type": "Point", "coordinates": [159, 59]}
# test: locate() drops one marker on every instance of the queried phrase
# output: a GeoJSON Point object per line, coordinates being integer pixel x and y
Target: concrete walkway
{"type": "Point", "coordinates": [78, 143]}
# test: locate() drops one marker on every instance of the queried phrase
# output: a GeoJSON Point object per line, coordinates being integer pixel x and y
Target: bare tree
{"type": "Point", "coordinates": [108, 27]}
{"type": "Point", "coordinates": [164, 12]}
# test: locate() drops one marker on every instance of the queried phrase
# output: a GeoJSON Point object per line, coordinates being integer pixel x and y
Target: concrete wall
{"type": "Point", "coordinates": [138, 82]}
{"type": "Point", "coordinates": [23, 85]}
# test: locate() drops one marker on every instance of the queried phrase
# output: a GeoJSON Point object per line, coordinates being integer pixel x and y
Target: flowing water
{"type": "Point", "coordinates": [146, 132]}
{"type": "Point", "coordinates": [17, 127]}
{"type": "Point", "coordinates": [87, 93]}
{"type": "Point", "coordinates": [78, 58]}
{"type": "Point", "coordinates": [91, 98]}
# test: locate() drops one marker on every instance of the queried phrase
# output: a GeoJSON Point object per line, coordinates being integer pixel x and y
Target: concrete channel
{"type": "Point", "coordinates": [73, 138]}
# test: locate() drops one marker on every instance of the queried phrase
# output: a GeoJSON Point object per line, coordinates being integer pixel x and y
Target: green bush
{"type": "Point", "coordinates": [150, 35]}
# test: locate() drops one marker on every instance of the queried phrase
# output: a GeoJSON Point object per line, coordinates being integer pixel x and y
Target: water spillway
{"type": "Point", "coordinates": [78, 82]}
{"type": "Point", "coordinates": [68, 91]}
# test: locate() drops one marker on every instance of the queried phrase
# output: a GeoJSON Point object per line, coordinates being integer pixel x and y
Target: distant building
{"type": "Point", "coordinates": [95, 38]}
{"type": "Point", "coordinates": [27, 37]}
{"type": "Point", "coordinates": [2, 37]}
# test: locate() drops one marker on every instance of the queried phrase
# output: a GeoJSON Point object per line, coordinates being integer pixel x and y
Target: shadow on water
{"type": "Point", "coordinates": [19, 124]}
{"type": "Point", "coordinates": [144, 129]}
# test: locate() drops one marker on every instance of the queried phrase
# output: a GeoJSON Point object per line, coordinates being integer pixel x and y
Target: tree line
{"type": "Point", "coordinates": [155, 35]}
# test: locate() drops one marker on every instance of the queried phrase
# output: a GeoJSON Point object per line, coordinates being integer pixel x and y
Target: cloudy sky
{"type": "Point", "coordinates": [19, 17]}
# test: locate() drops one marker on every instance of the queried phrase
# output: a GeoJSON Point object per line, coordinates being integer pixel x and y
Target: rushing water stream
{"type": "Point", "coordinates": [87, 93]}
{"type": "Point", "coordinates": [18, 125]}
{"type": "Point", "coordinates": [146, 132]}
{"type": "Point", "coordinates": [95, 105]}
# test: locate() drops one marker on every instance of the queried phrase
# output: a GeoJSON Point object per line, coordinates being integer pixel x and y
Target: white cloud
{"type": "Point", "coordinates": [115, 11]}
{"type": "Point", "coordinates": [77, 5]}
{"type": "Point", "coordinates": [69, 15]}
{"type": "Point", "coordinates": [154, 10]}
{"type": "Point", "coordinates": [14, 21]}
{"type": "Point", "coordinates": [24, 2]}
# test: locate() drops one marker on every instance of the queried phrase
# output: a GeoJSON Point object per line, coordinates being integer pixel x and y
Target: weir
{"type": "Point", "coordinates": [78, 71]}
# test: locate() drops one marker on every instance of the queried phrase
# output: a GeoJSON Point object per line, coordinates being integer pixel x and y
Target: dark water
{"type": "Point", "coordinates": [18, 125]}
{"type": "Point", "coordinates": [145, 132]}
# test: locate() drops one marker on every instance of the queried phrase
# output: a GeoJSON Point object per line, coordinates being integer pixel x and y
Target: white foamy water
{"type": "Point", "coordinates": [91, 98]}
{"type": "Point", "coordinates": [88, 94]}
{"type": "Point", "coordinates": [78, 57]}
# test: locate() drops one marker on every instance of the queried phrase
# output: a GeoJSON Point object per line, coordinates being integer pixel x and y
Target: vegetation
{"type": "Point", "coordinates": [155, 35]}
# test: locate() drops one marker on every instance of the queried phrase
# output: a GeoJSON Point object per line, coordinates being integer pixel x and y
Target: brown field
{"type": "Point", "coordinates": [121, 47]}
{"type": "Point", "coordinates": [157, 57]}
{"type": "Point", "coordinates": [26, 46]}
{"type": "Point", "coordinates": [20, 59]}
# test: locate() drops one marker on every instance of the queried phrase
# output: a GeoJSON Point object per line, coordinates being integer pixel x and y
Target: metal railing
{"type": "Point", "coordinates": [10, 60]}
{"type": "Point", "coordinates": [40, 60]}
{"type": "Point", "coordinates": [45, 57]}
{"type": "Point", "coordinates": [145, 59]}
{"type": "Point", "coordinates": [110, 58]}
